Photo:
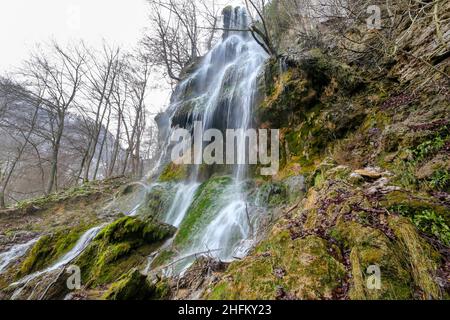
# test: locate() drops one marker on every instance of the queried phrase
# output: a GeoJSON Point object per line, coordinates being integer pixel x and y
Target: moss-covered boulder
{"type": "Point", "coordinates": [119, 247]}
{"type": "Point", "coordinates": [48, 249]}
{"type": "Point", "coordinates": [135, 286]}
{"type": "Point", "coordinates": [158, 200]}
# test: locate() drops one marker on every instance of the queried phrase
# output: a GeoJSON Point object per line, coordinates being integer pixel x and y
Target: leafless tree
{"type": "Point", "coordinates": [134, 120]}
{"type": "Point", "coordinates": [101, 78]}
{"type": "Point", "coordinates": [20, 133]}
{"type": "Point", "coordinates": [120, 96]}
{"type": "Point", "coordinates": [58, 74]}
{"type": "Point", "coordinates": [180, 32]}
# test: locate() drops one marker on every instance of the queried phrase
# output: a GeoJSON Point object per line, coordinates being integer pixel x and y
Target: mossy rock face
{"type": "Point", "coordinates": [293, 90]}
{"type": "Point", "coordinates": [310, 121]}
{"type": "Point", "coordinates": [370, 247]}
{"type": "Point", "coordinates": [48, 249]}
{"type": "Point", "coordinates": [286, 93]}
{"type": "Point", "coordinates": [272, 194]}
{"type": "Point", "coordinates": [174, 173]}
{"type": "Point", "coordinates": [323, 69]}
{"type": "Point", "coordinates": [135, 286]}
{"type": "Point", "coordinates": [428, 215]}
{"type": "Point", "coordinates": [121, 246]}
{"type": "Point", "coordinates": [330, 246]}
{"type": "Point", "coordinates": [422, 258]}
{"type": "Point", "coordinates": [205, 204]}
{"type": "Point", "coordinates": [130, 229]}
{"type": "Point", "coordinates": [158, 200]}
{"type": "Point", "coordinates": [302, 269]}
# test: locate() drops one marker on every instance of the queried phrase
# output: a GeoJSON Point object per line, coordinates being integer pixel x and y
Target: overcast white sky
{"type": "Point", "coordinates": [23, 23]}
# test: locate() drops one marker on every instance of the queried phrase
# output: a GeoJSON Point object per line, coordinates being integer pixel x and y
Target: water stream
{"type": "Point", "coordinates": [79, 247]}
{"type": "Point", "coordinates": [15, 253]}
{"type": "Point", "coordinates": [222, 91]}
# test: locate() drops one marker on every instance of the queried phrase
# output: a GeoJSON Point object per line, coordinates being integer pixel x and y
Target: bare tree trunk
{"type": "Point", "coordinates": [102, 145]}
{"type": "Point", "coordinates": [52, 180]}
{"type": "Point", "coordinates": [116, 147]}
{"type": "Point", "coordinates": [7, 179]}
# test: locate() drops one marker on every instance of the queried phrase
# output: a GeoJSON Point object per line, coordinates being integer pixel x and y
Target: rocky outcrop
{"type": "Point", "coordinates": [326, 247]}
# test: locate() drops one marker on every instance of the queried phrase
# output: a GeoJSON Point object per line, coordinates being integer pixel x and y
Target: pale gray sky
{"type": "Point", "coordinates": [24, 23]}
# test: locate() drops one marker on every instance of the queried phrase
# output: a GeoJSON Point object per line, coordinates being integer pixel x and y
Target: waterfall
{"type": "Point", "coordinates": [79, 247]}
{"type": "Point", "coordinates": [220, 93]}
{"type": "Point", "coordinates": [183, 198]}
{"type": "Point", "coordinates": [16, 252]}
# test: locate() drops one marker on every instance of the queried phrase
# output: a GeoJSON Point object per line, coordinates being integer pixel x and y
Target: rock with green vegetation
{"type": "Point", "coordinates": [309, 105]}
{"type": "Point", "coordinates": [430, 216]}
{"type": "Point", "coordinates": [327, 247]}
{"type": "Point", "coordinates": [174, 173]}
{"type": "Point", "coordinates": [371, 247]}
{"type": "Point", "coordinates": [135, 286]}
{"type": "Point", "coordinates": [210, 195]}
{"type": "Point", "coordinates": [119, 247]}
{"type": "Point", "coordinates": [295, 186]}
{"type": "Point", "coordinates": [71, 195]}
{"type": "Point", "coordinates": [163, 258]}
{"type": "Point", "coordinates": [158, 200]}
{"type": "Point", "coordinates": [283, 268]}
{"type": "Point", "coordinates": [421, 257]}
{"type": "Point", "coordinates": [272, 194]}
{"type": "Point", "coordinates": [49, 249]}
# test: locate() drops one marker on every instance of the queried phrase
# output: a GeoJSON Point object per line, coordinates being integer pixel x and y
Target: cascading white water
{"type": "Point", "coordinates": [15, 253]}
{"type": "Point", "coordinates": [79, 247]}
{"type": "Point", "coordinates": [180, 205]}
{"type": "Point", "coordinates": [222, 93]}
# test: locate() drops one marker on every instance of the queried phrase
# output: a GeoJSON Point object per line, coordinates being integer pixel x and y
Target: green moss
{"type": "Point", "coordinates": [429, 147]}
{"type": "Point", "coordinates": [135, 286]}
{"type": "Point", "coordinates": [73, 193]}
{"type": "Point", "coordinates": [200, 212]}
{"type": "Point", "coordinates": [158, 200]}
{"type": "Point", "coordinates": [132, 229]}
{"type": "Point", "coordinates": [428, 217]}
{"type": "Point", "coordinates": [219, 292]}
{"type": "Point", "coordinates": [302, 267]}
{"type": "Point", "coordinates": [273, 194]}
{"type": "Point", "coordinates": [371, 247]}
{"type": "Point", "coordinates": [420, 256]}
{"type": "Point", "coordinates": [408, 163]}
{"type": "Point", "coordinates": [174, 173]}
{"type": "Point", "coordinates": [162, 258]}
{"type": "Point", "coordinates": [49, 248]}
{"type": "Point", "coordinates": [122, 245]}
{"type": "Point", "coordinates": [427, 221]}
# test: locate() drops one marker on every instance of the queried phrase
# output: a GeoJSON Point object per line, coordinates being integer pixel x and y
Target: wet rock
{"type": "Point", "coordinates": [134, 286]}
{"type": "Point", "coordinates": [371, 173]}
{"type": "Point", "coordinates": [309, 272]}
